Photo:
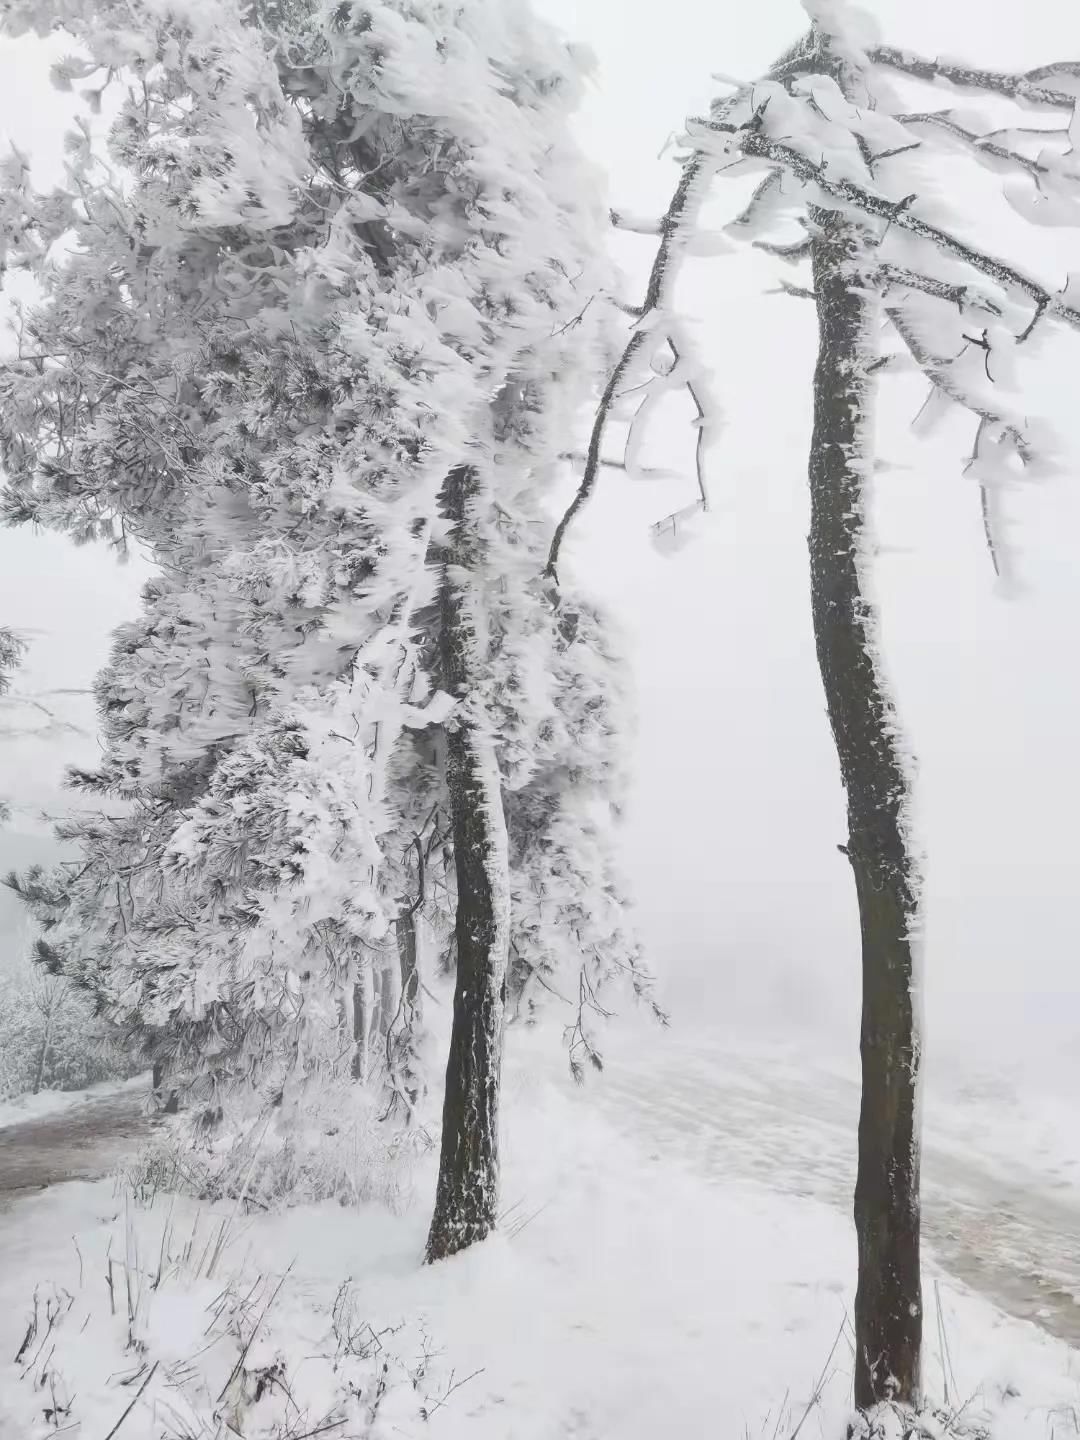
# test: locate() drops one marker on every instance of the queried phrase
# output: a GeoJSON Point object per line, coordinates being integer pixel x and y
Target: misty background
{"type": "Point", "coordinates": [745, 905]}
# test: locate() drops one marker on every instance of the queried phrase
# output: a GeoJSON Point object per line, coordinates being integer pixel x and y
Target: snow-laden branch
{"type": "Point", "coordinates": [754, 142]}
{"type": "Point", "coordinates": [1032, 87]}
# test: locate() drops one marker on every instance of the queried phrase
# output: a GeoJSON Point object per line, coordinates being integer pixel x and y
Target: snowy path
{"type": "Point", "coordinates": [1011, 1238]}
{"type": "Point", "coordinates": [80, 1143]}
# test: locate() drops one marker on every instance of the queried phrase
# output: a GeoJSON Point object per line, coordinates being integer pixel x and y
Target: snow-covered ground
{"type": "Point", "coordinates": [685, 1254]}
{"type": "Point", "coordinates": [675, 1260]}
{"type": "Point", "coordinates": [1001, 1180]}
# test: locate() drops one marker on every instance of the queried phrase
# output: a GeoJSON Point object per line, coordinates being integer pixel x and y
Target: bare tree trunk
{"type": "Point", "coordinates": [408, 1006]}
{"type": "Point", "coordinates": [39, 1078]}
{"type": "Point", "coordinates": [49, 995]}
{"type": "Point", "coordinates": [466, 1198]}
{"type": "Point", "coordinates": [888, 1304]}
{"type": "Point", "coordinates": [387, 1001]}
{"type": "Point", "coordinates": [363, 1008]}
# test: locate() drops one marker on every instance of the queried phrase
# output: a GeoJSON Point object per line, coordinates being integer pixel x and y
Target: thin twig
{"type": "Point", "coordinates": [450, 1390]}
{"type": "Point", "coordinates": [135, 1400]}
{"type": "Point", "coordinates": [822, 1381]}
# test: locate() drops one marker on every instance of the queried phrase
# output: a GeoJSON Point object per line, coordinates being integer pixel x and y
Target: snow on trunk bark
{"type": "Point", "coordinates": [466, 1197]}
{"type": "Point", "coordinates": [888, 1304]}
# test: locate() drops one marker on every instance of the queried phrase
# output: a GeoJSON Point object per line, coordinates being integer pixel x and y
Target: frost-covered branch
{"type": "Point", "coordinates": [962, 296]}
{"type": "Point", "coordinates": [1032, 87]}
{"type": "Point", "coordinates": [753, 141]}
{"type": "Point", "coordinates": [649, 332]}
{"type": "Point", "coordinates": [623, 367]}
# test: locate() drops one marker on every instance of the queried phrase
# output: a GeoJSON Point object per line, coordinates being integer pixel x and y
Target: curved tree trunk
{"type": "Point", "coordinates": [888, 1304]}
{"type": "Point", "coordinates": [466, 1198]}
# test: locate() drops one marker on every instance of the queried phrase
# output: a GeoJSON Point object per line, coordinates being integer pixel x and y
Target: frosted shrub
{"type": "Point", "coordinates": [49, 1037]}
{"type": "Point", "coordinates": [333, 1144]}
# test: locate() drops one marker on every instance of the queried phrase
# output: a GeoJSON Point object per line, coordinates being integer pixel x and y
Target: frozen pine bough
{"type": "Point", "coordinates": [325, 256]}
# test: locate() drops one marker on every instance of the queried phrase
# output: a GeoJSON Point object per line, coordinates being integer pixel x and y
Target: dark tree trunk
{"type": "Point", "coordinates": [466, 1198]}
{"type": "Point", "coordinates": [888, 1303]}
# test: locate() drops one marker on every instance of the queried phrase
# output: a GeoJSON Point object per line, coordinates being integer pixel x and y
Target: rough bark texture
{"type": "Point", "coordinates": [888, 1304]}
{"type": "Point", "coordinates": [466, 1198]}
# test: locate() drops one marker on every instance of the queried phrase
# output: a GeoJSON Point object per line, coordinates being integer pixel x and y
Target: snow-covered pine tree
{"type": "Point", "coordinates": [849, 166]}
{"type": "Point", "coordinates": [334, 261]}
{"type": "Point", "coordinates": [217, 357]}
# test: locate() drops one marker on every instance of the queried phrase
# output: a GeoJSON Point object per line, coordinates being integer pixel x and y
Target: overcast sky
{"type": "Point", "coordinates": [744, 900]}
